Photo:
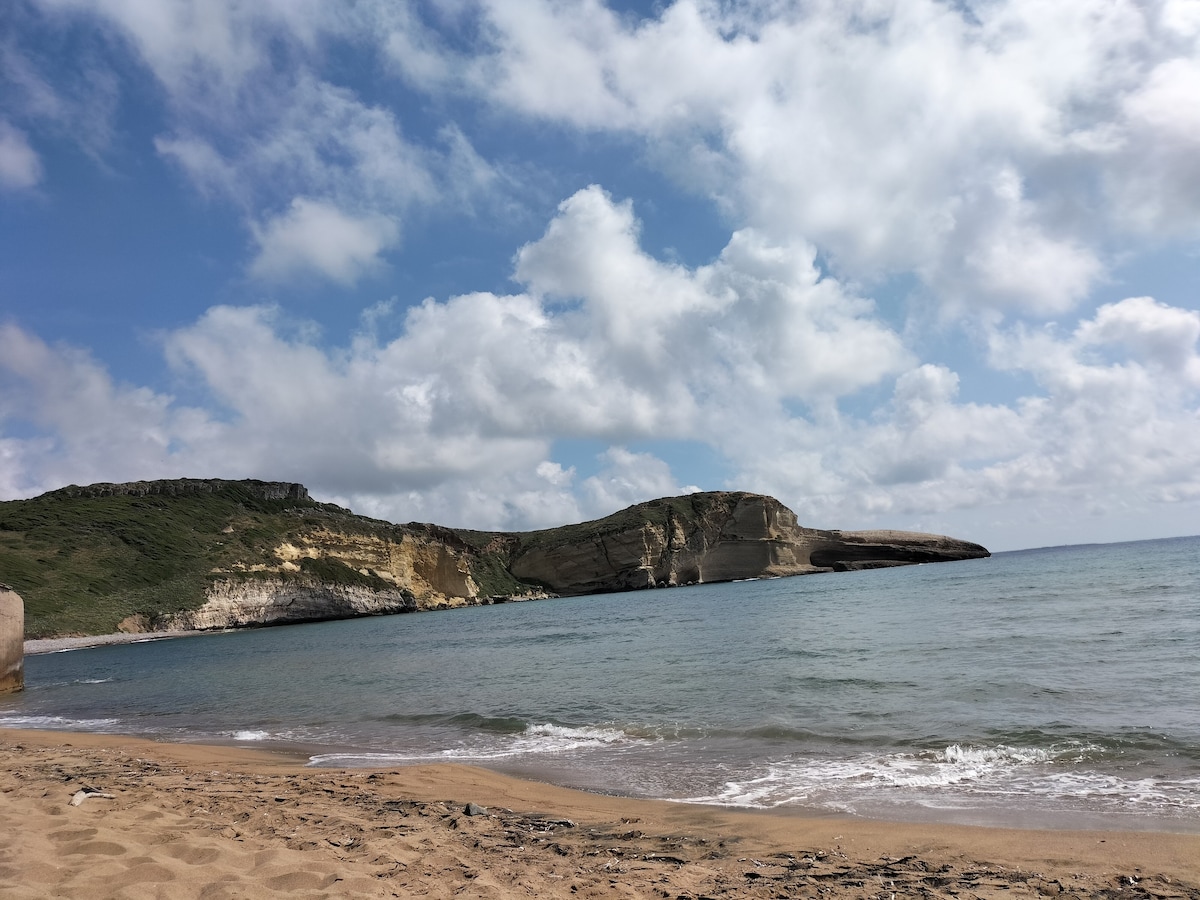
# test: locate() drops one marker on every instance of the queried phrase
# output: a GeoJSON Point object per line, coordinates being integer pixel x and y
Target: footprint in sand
{"type": "Point", "coordinates": [94, 848]}
{"type": "Point", "coordinates": [146, 873]}
{"type": "Point", "coordinates": [300, 881]}
{"type": "Point", "coordinates": [72, 834]}
{"type": "Point", "coordinates": [193, 856]}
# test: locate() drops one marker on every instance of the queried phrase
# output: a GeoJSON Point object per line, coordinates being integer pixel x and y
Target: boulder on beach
{"type": "Point", "coordinates": [12, 640]}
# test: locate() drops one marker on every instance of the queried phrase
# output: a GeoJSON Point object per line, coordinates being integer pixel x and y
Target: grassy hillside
{"type": "Point", "coordinates": [83, 561]}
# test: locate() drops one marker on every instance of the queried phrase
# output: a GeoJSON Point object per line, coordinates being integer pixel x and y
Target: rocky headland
{"type": "Point", "coordinates": [202, 554]}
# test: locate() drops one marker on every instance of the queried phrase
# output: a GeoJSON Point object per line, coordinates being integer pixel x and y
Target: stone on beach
{"type": "Point", "coordinates": [12, 640]}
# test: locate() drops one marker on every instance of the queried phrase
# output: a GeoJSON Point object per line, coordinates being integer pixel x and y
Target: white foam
{"type": "Point", "coordinates": [535, 740]}
{"type": "Point", "coordinates": [957, 775]}
{"type": "Point", "coordinates": [248, 735]}
{"type": "Point", "coordinates": [561, 737]}
{"type": "Point", "coordinates": [58, 723]}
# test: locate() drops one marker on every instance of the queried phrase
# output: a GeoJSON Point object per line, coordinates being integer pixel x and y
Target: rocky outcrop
{"type": "Point", "coordinates": [198, 554]}
{"type": "Point", "coordinates": [710, 537]}
{"type": "Point", "coordinates": [12, 640]}
{"type": "Point", "coordinates": [431, 569]}
{"type": "Point", "coordinates": [182, 487]}
{"type": "Point", "coordinates": [239, 603]}
{"type": "Point", "coordinates": [847, 551]}
{"type": "Point", "coordinates": [248, 603]}
{"type": "Point", "coordinates": [700, 538]}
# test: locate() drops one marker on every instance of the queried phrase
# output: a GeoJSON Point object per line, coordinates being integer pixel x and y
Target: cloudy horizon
{"type": "Point", "coordinates": [508, 264]}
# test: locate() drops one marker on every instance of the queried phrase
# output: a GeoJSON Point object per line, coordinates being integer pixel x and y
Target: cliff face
{"type": "Point", "coordinates": [720, 536]}
{"type": "Point", "coordinates": [272, 601]}
{"type": "Point", "coordinates": [200, 554]}
{"type": "Point", "coordinates": [430, 571]}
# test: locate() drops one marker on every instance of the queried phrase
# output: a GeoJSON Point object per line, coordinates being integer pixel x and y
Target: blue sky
{"type": "Point", "coordinates": [514, 263]}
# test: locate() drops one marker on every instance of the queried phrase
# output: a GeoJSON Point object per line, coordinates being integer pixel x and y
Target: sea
{"type": "Point", "coordinates": [1050, 688]}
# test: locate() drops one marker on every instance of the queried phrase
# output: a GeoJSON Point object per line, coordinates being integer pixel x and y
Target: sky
{"type": "Point", "coordinates": [508, 264]}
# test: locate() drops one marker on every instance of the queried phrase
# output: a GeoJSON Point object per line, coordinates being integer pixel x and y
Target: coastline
{"type": "Point", "coordinates": [201, 820]}
{"type": "Point", "coordinates": [37, 646]}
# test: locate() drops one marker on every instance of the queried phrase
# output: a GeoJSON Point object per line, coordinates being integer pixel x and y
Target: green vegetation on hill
{"type": "Point", "coordinates": [83, 561]}
{"type": "Point", "coordinates": [86, 558]}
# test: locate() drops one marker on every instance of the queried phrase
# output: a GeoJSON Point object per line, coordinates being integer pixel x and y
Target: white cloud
{"type": "Point", "coordinates": [629, 478]}
{"type": "Point", "coordinates": [1156, 183]}
{"type": "Point", "coordinates": [251, 121]}
{"type": "Point", "coordinates": [454, 419]}
{"type": "Point", "coordinates": [19, 163]}
{"type": "Point", "coordinates": [314, 237]}
{"type": "Point", "coordinates": [73, 98]}
{"type": "Point", "coordinates": [205, 45]}
{"type": "Point", "coordinates": [344, 167]}
{"type": "Point", "coordinates": [1159, 335]}
{"type": "Point", "coordinates": [474, 390]}
{"type": "Point", "coordinates": [80, 425]}
{"type": "Point", "coordinates": [995, 156]}
{"type": "Point", "coordinates": [963, 144]}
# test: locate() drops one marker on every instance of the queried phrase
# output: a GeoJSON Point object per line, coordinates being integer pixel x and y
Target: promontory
{"type": "Point", "coordinates": [210, 553]}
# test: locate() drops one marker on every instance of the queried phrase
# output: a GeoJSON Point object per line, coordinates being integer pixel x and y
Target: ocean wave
{"type": "Point", "coordinates": [251, 735]}
{"type": "Point", "coordinates": [470, 721]}
{"type": "Point", "coordinates": [955, 775]}
{"type": "Point", "coordinates": [58, 723]}
{"type": "Point", "coordinates": [534, 740]}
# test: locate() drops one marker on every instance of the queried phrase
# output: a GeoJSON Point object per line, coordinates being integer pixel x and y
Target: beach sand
{"type": "Point", "coordinates": [191, 821]}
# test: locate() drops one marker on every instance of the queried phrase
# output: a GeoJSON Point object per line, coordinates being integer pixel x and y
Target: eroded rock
{"type": "Point", "coordinates": [12, 640]}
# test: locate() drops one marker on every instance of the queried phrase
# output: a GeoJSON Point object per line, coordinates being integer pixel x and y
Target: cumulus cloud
{"type": "Point", "coordinates": [629, 478]}
{"type": "Point", "coordinates": [64, 420]}
{"type": "Point", "coordinates": [19, 163]}
{"type": "Point", "coordinates": [314, 237]}
{"type": "Point", "coordinates": [252, 122]}
{"type": "Point", "coordinates": [922, 137]}
{"type": "Point", "coordinates": [454, 417]}
{"type": "Point", "coordinates": [919, 137]}
{"type": "Point", "coordinates": [614, 345]}
{"type": "Point", "coordinates": [992, 159]}
{"type": "Point", "coordinates": [1157, 183]}
{"type": "Point", "coordinates": [209, 45]}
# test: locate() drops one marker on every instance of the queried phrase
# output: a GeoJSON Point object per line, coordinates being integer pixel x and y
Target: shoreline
{"type": "Point", "coordinates": [39, 646]}
{"type": "Point", "coordinates": [205, 820]}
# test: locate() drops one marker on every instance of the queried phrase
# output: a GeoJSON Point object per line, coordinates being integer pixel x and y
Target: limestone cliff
{"type": "Point", "coordinates": [272, 601]}
{"type": "Point", "coordinates": [431, 570]}
{"type": "Point", "coordinates": [210, 553]}
{"type": "Point", "coordinates": [709, 537]}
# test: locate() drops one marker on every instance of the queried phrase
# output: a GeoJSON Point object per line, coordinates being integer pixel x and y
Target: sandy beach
{"type": "Point", "coordinates": [87, 815]}
{"type": "Point", "coordinates": [38, 646]}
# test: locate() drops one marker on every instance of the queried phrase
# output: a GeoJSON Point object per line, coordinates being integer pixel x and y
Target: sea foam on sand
{"type": "Point", "coordinates": [188, 821]}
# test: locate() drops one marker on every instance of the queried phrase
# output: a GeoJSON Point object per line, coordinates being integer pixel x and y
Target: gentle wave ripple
{"type": "Point", "coordinates": [1048, 687]}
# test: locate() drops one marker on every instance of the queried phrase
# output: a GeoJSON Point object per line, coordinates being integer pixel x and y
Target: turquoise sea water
{"type": "Point", "coordinates": [1056, 687]}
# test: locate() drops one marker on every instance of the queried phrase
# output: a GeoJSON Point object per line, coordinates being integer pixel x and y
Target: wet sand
{"type": "Point", "coordinates": [85, 815]}
{"type": "Point", "coordinates": [60, 644]}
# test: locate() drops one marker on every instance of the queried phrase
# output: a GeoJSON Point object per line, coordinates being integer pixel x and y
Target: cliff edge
{"type": "Point", "coordinates": [711, 537]}
{"type": "Point", "coordinates": [210, 553]}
